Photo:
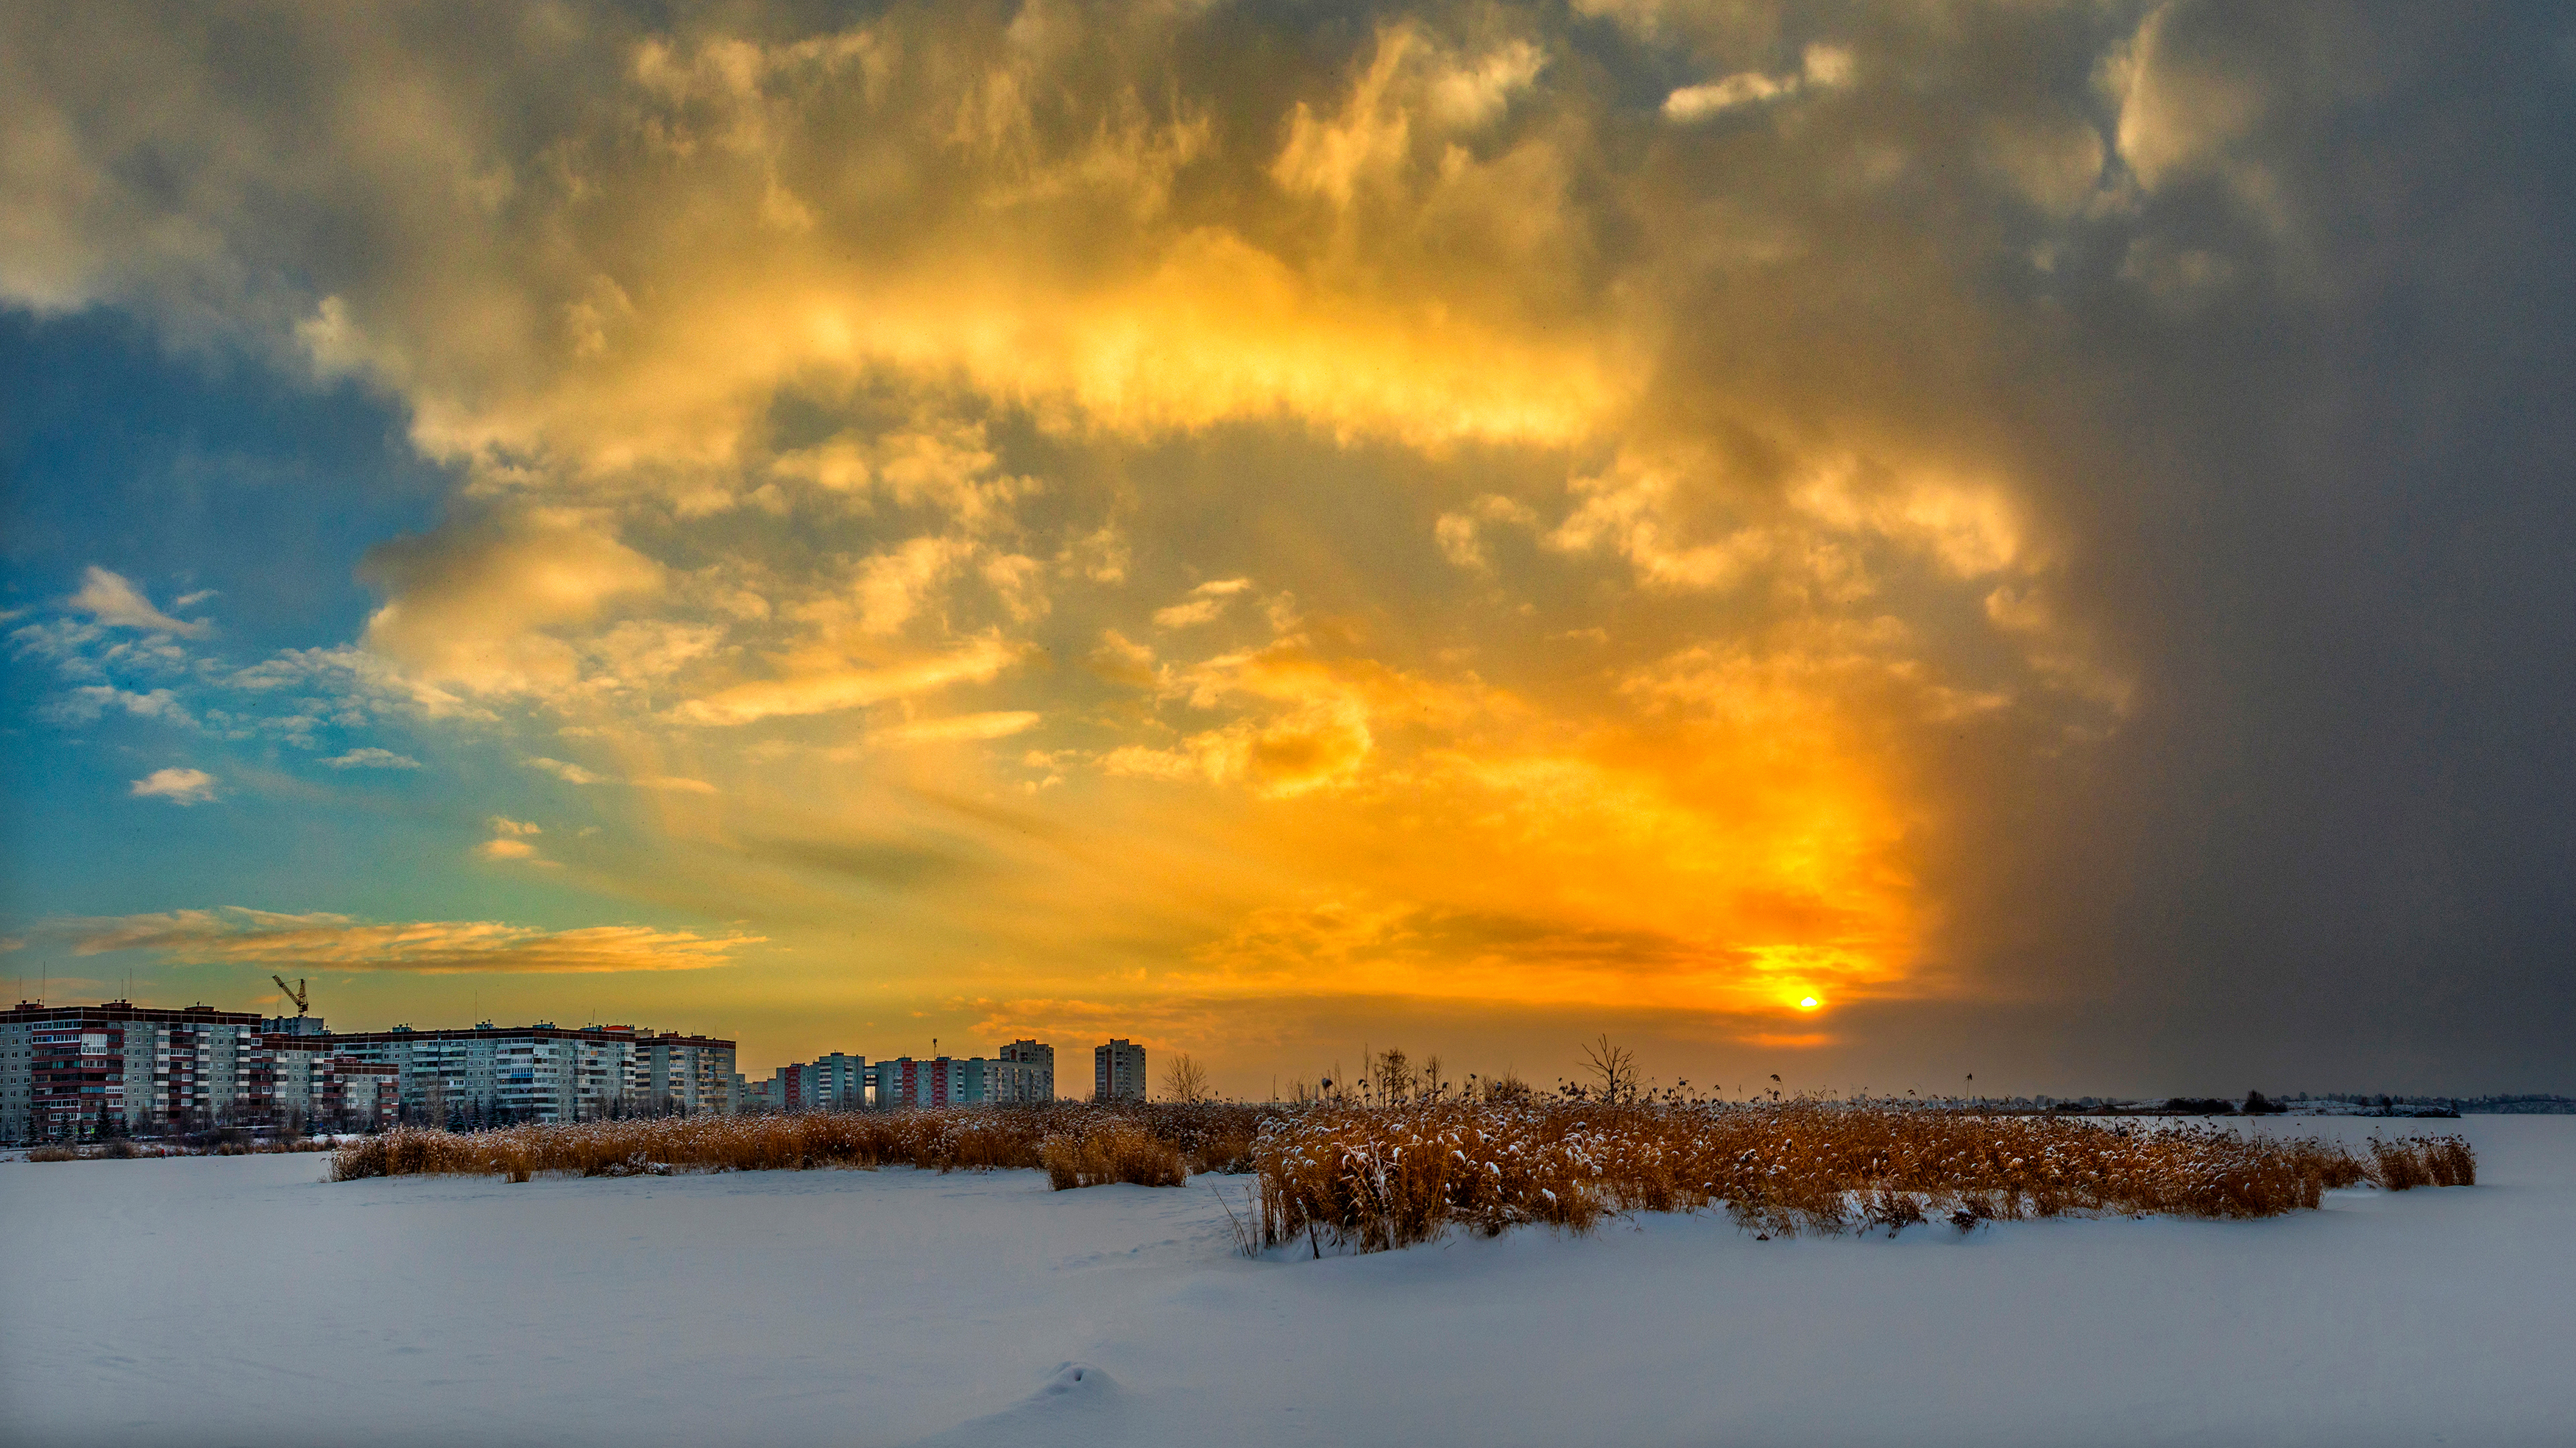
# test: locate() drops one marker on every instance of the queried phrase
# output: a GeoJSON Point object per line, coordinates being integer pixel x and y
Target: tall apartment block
{"type": "Point", "coordinates": [1023, 1072]}
{"type": "Point", "coordinates": [70, 1072]}
{"type": "Point", "coordinates": [674, 1072]}
{"type": "Point", "coordinates": [1118, 1072]}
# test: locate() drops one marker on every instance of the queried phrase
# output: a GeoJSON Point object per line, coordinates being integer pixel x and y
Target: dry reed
{"type": "Point", "coordinates": [1370, 1180]}
{"type": "Point", "coordinates": [2431, 1161]}
{"type": "Point", "coordinates": [1373, 1178]}
{"type": "Point", "coordinates": [1077, 1144]}
{"type": "Point", "coordinates": [1121, 1152]}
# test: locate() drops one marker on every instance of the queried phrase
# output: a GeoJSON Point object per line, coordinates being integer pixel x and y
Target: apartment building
{"type": "Point", "coordinates": [680, 1073]}
{"type": "Point", "coordinates": [545, 1072]}
{"type": "Point", "coordinates": [837, 1082]}
{"type": "Point", "coordinates": [71, 1072]}
{"type": "Point", "coordinates": [1022, 1072]}
{"type": "Point", "coordinates": [938, 1081]}
{"type": "Point", "coordinates": [304, 1078]}
{"type": "Point", "coordinates": [1118, 1072]}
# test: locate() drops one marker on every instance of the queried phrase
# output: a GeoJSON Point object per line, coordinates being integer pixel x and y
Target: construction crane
{"type": "Point", "coordinates": [294, 992]}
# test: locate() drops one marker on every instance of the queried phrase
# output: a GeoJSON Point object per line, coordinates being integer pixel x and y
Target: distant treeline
{"type": "Point", "coordinates": [2255, 1103]}
{"type": "Point", "coordinates": [2465, 1105]}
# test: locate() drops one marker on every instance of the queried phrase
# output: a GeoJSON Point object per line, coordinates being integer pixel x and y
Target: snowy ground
{"type": "Point", "coordinates": [240, 1300]}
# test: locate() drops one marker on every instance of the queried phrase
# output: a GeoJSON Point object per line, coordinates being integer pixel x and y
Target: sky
{"type": "Point", "coordinates": [1872, 542]}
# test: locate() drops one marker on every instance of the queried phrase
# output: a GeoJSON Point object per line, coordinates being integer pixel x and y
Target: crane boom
{"type": "Point", "coordinates": [294, 992]}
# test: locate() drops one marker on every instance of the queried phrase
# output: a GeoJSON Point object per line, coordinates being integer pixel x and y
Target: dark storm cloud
{"type": "Point", "coordinates": [2329, 504]}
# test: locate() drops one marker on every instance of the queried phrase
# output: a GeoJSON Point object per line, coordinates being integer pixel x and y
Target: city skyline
{"type": "Point", "coordinates": [1870, 543]}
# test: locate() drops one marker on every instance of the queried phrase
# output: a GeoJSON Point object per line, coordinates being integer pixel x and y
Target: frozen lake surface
{"type": "Point", "coordinates": [243, 1301]}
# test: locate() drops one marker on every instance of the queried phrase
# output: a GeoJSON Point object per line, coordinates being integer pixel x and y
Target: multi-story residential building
{"type": "Point", "coordinates": [1118, 1072]}
{"type": "Point", "coordinates": [68, 1072]}
{"type": "Point", "coordinates": [938, 1081]}
{"type": "Point", "coordinates": [1023, 1071]}
{"type": "Point", "coordinates": [303, 1079]}
{"type": "Point", "coordinates": [836, 1082]}
{"type": "Point", "coordinates": [682, 1073]}
{"type": "Point", "coordinates": [546, 1072]}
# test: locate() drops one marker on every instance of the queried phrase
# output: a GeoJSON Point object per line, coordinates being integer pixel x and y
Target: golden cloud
{"type": "Point", "coordinates": [1618, 460]}
{"type": "Point", "coordinates": [234, 935]}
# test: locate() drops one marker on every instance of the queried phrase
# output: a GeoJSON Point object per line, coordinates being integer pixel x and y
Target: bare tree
{"type": "Point", "coordinates": [1433, 1085]}
{"type": "Point", "coordinates": [1394, 1078]}
{"type": "Point", "coordinates": [1184, 1080]}
{"type": "Point", "coordinates": [1615, 1067]}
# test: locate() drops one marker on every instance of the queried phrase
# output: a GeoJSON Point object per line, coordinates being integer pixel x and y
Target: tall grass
{"type": "Point", "coordinates": [1370, 1180]}
{"type": "Point", "coordinates": [1120, 1152]}
{"type": "Point", "coordinates": [1153, 1144]}
{"type": "Point", "coordinates": [2431, 1161]}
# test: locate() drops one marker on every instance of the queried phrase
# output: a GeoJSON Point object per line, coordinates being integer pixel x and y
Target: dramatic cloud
{"type": "Point", "coordinates": [2038, 525]}
{"type": "Point", "coordinates": [232, 935]}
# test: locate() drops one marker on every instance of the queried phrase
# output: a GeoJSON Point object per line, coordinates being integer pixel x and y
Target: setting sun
{"type": "Point", "coordinates": [1806, 1003]}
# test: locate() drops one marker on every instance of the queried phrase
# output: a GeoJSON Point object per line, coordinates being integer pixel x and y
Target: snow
{"type": "Point", "coordinates": [240, 1300]}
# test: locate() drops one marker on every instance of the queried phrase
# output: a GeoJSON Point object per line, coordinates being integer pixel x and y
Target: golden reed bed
{"type": "Point", "coordinates": [1373, 1178]}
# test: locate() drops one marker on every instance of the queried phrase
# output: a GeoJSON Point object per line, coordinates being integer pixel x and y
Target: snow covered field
{"type": "Point", "coordinates": [241, 1300]}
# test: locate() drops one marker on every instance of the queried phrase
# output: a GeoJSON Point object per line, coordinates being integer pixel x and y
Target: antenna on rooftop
{"type": "Point", "coordinates": [294, 992]}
